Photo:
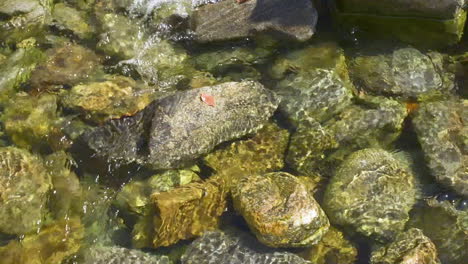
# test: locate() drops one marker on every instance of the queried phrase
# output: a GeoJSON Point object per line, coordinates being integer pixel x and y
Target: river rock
{"type": "Point", "coordinates": [66, 17]}
{"type": "Point", "coordinates": [372, 193]}
{"type": "Point", "coordinates": [235, 248]}
{"type": "Point", "coordinates": [119, 255]}
{"type": "Point", "coordinates": [226, 20]}
{"type": "Point", "coordinates": [409, 247]}
{"type": "Point", "coordinates": [24, 186]}
{"type": "Point", "coordinates": [280, 210]}
{"type": "Point", "coordinates": [180, 128]}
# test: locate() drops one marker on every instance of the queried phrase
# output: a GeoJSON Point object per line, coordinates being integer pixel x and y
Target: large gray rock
{"type": "Point", "coordinates": [228, 19]}
{"type": "Point", "coordinates": [229, 248]}
{"type": "Point", "coordinates": [180, 128]}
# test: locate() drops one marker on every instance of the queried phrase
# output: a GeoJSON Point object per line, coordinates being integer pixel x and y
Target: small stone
{"type": "Point", "coordinates": [119, 255]}
{"type": "Point", "coordinates": [69, 18]}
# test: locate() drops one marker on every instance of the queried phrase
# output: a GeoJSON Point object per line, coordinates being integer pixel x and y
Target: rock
{"type": "Point", "coordinates": [16, 70]}
{"type": "Point", "coordinates": [69, 18]}
{"type": "Point", "coordinates": [52, 245]}
{"type": "Point", "coordinates": [226, 20]}
{"type": "Point", "coordinates": [409, 247]}
{"type": "Point", "coordinates": [371, 193]}
{"type": "Point", "coordinates": [234, 248]}
{"type": "Point", "coordinates": [406, 72]}
{"type": "Point", "coordinates": [373, 122]}
{"type": "Point", "coordinates": [280, 210]}
{"type": "Point", "coordinates": [187, 211]}
{"type": "Point", "coordinates": [32, 121]}
{"type": "Point", "coordinates": [22, 19]}
{"type": "Point", "coordinates": [180, 128]}
{"type": "Point", "coordinates": [442, 131]}
{"type": "Point", "coordinates": [67, 64]}
{"type": "Point", "coordinates": [262, 153]}
{"type": "Point", "coordinates": [332, 248]}
{"type": "Point", "coordinates": [115, 97]}
{"type": "Point", "coordinates": [24, 185]}
{"type": "Point", "coordinates": [119, 255]}
{"type": "Point", "coordinates": [446, 227]}
{"type": "Point", "coordinates": [419, 22]}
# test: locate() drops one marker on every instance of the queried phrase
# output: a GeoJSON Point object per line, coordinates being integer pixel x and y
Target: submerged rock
{"type": "Point", "coordinates": [53, 244]}
{"type": "Point", "coordinates": [280, 210]}
{"type": "Point", "coordinates": [226, 20]}
{"type": "Point", "coordinates": [24, 185]}
{"type": "Point", "coordinates": [119, 255]}
{"type": "Point", "coordinates": [446, 226]}
{"type": "Point", "coordinates": [187, 211]}
{"type": "Point", "coordinates": [180, 128]}
{"type": "Point", "coordinates": [235, 248]}
{"type": "Point", "coordinates": [115, 97]}
{"type": "Point", "coordinates": [421, 22]}
{"type": "Point", "coordinates": [262, 153]}
{"type": "Point", "coordinates": [408, 248]}
{"type": "Point", "coordinates": [406, 72]}
{"type": "Point", "coordinates": [333, 248]}
{"type": "Point", "coordinates": [442, 130]}
{"type": "Point", "coordinates": [67, 64]}
{"type": "Point", "coordinates": [375, 122]}
{"type": "Point", "coordinates": [372, 193]}
{"type": "Point", "coordinates": [69, 18]}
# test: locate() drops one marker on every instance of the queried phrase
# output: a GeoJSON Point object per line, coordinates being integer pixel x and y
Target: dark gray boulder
{"type": "Point", "coordinates": [181, 127]}
{"type": "Point", "coordinates": [229, 19]}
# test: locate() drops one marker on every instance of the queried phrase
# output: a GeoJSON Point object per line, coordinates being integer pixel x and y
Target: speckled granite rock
{"type": "Point", "coordinates": [227, 20]}
{"type": "Point", "coordinates": [442, 129]}
{"type": "Point", "coordinates": [446, 226]}
{"type": "Point", "coordinates": [24, 185]}
{"type": "Point", "coordinates": [406, 72]}
{"type": "Point", "coordinates": [262, 153]}
{"type": "Point", "coordinates": [219, 247]}
{"type": "Point", "coordinates": [409, 247]}
{"type": "Point", "coordinates": [372, 193]}
{"type": "Point", "coordinates": [119, 255]}
{"type": "Point", "coordinates": [280, 210]}
{"type": "Point", "coordinates": [180, 128]}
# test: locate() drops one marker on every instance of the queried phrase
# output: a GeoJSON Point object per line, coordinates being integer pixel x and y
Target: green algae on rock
{"type": "Point", "coordinates": [66, 17]}
{"type": "Point", "coordinates": [24, 183]}
{"type": "Point", "coordinates": [235, 247]}
{"type": "Point", "coordinates": [373, 122]}
{"type": "Point", "coordinates": [33, 121]}
{"type": "Point", "coordinates": [442, 130]}
{"type": "Point", "coordinates": [280, 210]}
{"type": "Point", "coordinates": [120, 255]}
{"type": "Point", "coordinates": [51, 245]}
{"type": "Point", "coordinates": [188, 211]}
{"type": "Point", "coordinates": [409, 247]}
{"type": "Point", "coordinates": [262, 153]}
{"type": "Point", "coordinates": [66, 64]}
{"type": "Point", "coordinates": [420, 22]}
{"type": "Point", "coordinates": [446, 226]}
{"type": "Point", "coordinates": [333, 248]}
{"type": "Point", "coordinates": [23, 19]}
{"type": "Point", "coordinates": [115, 97]}
{"type": "Point", "coordinates": [180, 128]}
{"type": "Point", "coordinates": [406, 72]}
{"type": "Point", "coordinates": [371, 193]}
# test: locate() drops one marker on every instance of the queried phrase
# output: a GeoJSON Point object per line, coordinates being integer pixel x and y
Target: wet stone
{"type": "Point", "coordinates": [371, 193]}
{"type": "Point", "coordinates": [115, 97]}
{"type": "Point", "coordinates": [235, 248]}
{"type": "Point", "coordinates": [119, 255]}
{"type": "Point", "coordinates": [180, 128]}
{"type": "Point", "coordinates": [188, 211]}
{"type": "Point", "coordinates": [442, 132]}
{"type": "Point", "coordinates": [262, 153]}
{"type": "Point", "coordinates": [24, 186]}
{"type": "Point", "coordinates": [280, 210]}
{"type": "Point", "coordinates": [447, 228]}
{"type": "Point", "coordinates": [406, 72]}
{"type": "Point", "coordinates": [409, 247]}
{"type": "Point", "coordinates": [226, 20]}
{"type": "Point", "coordinates": [69, 18]}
